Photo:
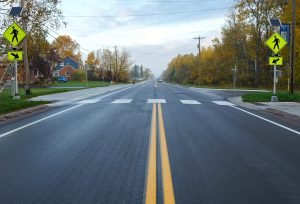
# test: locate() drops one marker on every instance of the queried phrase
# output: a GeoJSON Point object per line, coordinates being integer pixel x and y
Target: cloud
{"type": "Point", "coordinates": [152, 40]}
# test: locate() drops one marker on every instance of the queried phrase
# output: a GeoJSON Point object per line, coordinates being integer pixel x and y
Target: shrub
{"type": "Point", "coordinates": [79, 75]}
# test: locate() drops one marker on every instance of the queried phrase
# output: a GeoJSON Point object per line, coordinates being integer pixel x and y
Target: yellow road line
{"type": "Point", "coordinates": [168, 191]}
{"type": "Point", "coordinates": [151, 177]}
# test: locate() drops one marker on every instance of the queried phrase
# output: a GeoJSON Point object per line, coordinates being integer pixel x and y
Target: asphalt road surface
{"type": "Point", "coordinates": [149, 143]}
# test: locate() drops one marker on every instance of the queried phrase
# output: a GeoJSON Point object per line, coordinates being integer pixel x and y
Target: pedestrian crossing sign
{"type": "Point", "coordinates": [275, 60]}
{"type": "Point", "coordinates": [15, 55]}
{"type": "Point", "coordinates": [14, 34]}
{"type": "Point", "coordinates": [276, 42]}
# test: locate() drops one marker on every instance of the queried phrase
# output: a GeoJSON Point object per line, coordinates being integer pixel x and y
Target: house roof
{"type": "Point", "coordinates": [67, 61]}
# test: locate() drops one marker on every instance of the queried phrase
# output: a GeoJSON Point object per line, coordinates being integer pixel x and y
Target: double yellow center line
{"type": "Point", "coordinates": [167, 184]}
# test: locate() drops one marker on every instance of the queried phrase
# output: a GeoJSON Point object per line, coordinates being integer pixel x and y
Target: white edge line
{"type": "Point", "coordinates": [50, 116]}
{"type": "Point", "coordinates": [40, 120]}
{"type": "Point", "coordinates": [272, 122]}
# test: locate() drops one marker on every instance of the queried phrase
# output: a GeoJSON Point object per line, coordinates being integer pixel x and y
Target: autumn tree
{"type": "Point", "coordinates": [67, 47]}
{"type": "Point", "coordinates": [40, 17]}
{"type": "Point", "coordinates": [124, 63]}
{"type": "Point", "coordinates": [241, 45]}
{"type": "Point", "coordinates": [106, 63]}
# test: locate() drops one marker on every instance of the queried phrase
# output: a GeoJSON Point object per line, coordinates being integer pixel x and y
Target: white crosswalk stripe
{"type": "Point", "coordinates": [122, 101]}
{"type": "Point", "coordinates": [157, 101]}
{"type": "Point", "coordinates": [127, 101]}
{"type": "Point", "coordinates": [190, 102]}
{"type": "Point", "coordinates": [88, 101]}
{"type": "Point", "coordinates": [223, 103]}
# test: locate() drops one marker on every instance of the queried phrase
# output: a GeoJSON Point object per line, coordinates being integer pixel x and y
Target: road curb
{"type": "Point", "coordinates": [238, 101]}
{"type": "Point", "coordinates": [267, 110]}
{"type": "Point", "coordinates": [23, 112]}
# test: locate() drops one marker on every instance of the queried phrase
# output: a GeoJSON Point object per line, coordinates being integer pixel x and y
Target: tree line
{"type": "Point", "coordinates": [114, 65]}
{"type": "Point", "coordinates": [240, 46]}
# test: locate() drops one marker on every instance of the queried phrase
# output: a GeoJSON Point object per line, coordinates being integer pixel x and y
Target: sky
{"type": "Point", "coordinates": [152, 31]}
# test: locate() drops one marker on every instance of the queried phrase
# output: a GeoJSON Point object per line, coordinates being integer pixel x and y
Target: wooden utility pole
{"type": "Point", "coordinates": [25, 55]}
{"type": "Point", "coordinates": [293, 51]}
{"type": "Point", "coordinates": [199, 47]}
{"type": "Point", "coordinates": [116, 74]}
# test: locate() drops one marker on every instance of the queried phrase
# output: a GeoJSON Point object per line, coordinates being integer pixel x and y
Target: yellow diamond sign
{"type": "Point", "coordinates": [14, 34]}
{"type": "Point", "coordinates": [15, 55]}
{"type": "Point", "coordinates": [276, 42]}
{"type": "Point", "coordinates": [275, 60]}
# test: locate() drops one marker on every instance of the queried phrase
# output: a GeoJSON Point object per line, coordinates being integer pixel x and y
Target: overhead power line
{"type": "Point", "coordinates": [149, 14]}
{"type": "Point", "coordinates": [166, 1]}
{"type": "Point", "coordinates": [62, 42]}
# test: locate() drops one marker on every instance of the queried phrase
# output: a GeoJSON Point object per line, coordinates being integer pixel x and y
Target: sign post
{"type": "Point", "coordinates": [275, 43]}
{"type": "Point", "coordinates": [15, 35]}
{"type": "Point", "coordinates": [16, 97]}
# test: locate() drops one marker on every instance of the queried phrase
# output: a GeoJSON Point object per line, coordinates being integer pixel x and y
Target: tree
{"type": "Point", "coordinates": [106, 63]}
{"type": "Point", "coordinates": [257, 13]}
{"type": "Point", "coordinates": [66, 47]}
{"type": "Point", "coordinates": [241, 44]}
{"type": "Point", "coordinates": [148, 74]}
{"type": "Point", "coordinates": [39, 16]}
{"type": "Point", "coordinates": [42, 56]}
{"type": "Point", "coordinates": [136, 71]}
{"type": "Point", "coordinates": [141, 72]}
{"type": "Point", "coordinates": [124, 65]}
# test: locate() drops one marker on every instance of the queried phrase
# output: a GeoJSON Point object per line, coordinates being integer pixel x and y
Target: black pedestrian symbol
{"type": "Point", "coordinates": [15, 55]}
{"type": "Point", "coordinates": [276, 41]}
{"type": "Point", "coordinates": [15, 34]}
{"type": "Point", "coordinates": [275, 61]}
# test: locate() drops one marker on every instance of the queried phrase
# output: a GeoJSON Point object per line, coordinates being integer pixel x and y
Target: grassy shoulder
{"type": "Point", "coordinates": [253, 97]}
{"type": "Point", "coordinates": [266, 97]}
{"type": "Point", "coordinates": [7, 104]}
{"type": "Point", "coordinates": [218, 87]}
{"type": "Point", "coordinates": [89, 84]}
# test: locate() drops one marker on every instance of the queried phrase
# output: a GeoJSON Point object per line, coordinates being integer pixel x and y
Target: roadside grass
{"type": "Point", "coordinates": [266, 97]}
{"type": "Point", "coordinates": [89, 84]}
{"type": "Point", "coordinates": [283, 96]}
{"type": "Point", "coordinates": [7, 104]}
{"type": "Point", "coordinates": [220, 87]}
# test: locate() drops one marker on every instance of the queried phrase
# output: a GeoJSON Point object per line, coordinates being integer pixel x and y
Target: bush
{"type": "Point", "coordinates": [266, 97]}
{"type": "Point", "coordinates": [79, 75]}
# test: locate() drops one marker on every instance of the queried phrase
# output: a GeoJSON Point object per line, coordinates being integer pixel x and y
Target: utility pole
{"type": "Point", "coordinates": [116, 74]}
{"type": "Point", "coordinates": [293, 51]}
{"type": "Point", "coordinates": [234, 74]}
{"type": "Point", "coordinates": [25, 55]}
{"type": "Point", "coordinates": [199, 47]}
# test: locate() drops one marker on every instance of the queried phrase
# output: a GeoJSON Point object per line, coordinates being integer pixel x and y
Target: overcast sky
{"type": "Point", "coordinates": [152, 40]}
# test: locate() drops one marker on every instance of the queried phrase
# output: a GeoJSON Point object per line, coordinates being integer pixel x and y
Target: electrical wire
{"type": "Point", "coordinates": [166, 1]}
{"type": "Point", "coordinates": [149, 14]}
{"type": "Point", "coordinates": [79, 47]}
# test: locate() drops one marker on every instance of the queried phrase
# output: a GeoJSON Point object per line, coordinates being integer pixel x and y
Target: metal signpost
{"type": "Point", "coordinates": [275, 43]}
{"type": "Point", "coordinates": [15, 35]}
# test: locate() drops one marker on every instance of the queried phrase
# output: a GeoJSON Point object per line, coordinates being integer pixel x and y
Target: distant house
{"type": "Point", "coordinates": [66, 68]}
